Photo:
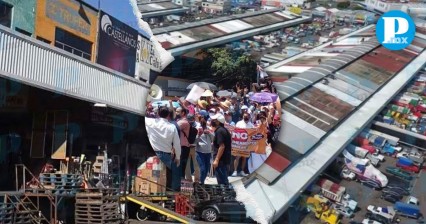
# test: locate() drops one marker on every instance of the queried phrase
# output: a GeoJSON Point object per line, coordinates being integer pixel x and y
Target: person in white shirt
{"type": "Point", "coordinates": [165, 141]}
{"type": "Point", "coordinates": [244, 123]}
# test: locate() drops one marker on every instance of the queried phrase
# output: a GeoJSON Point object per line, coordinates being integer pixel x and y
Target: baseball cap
{"type": "Point", "coordinates": [244, 107]}
{"type": "Point", "coordinates": [218, 117]}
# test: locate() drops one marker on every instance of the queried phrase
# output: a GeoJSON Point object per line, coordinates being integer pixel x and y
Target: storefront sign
{"type": "Point", "coordinates": [147, 59]}
{"type": "Point", "coordinates": [118, 44]}
{"type": "Point", "coordinates": [148, 55]}
{"type": "Point", "coordinates": [247, 140]}
{"type": "Point", "coordinates": [67, 16]}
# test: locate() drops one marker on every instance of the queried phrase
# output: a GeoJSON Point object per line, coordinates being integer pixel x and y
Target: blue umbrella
{"type": "Point", "coordinates": [264, 97]}
{"type": "Point", "coordinates": [165, 103]}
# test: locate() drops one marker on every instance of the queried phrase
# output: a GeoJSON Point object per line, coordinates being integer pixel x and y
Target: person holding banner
{"type": "Point", "coordinates": [222, 146]}
{"type": "Point", "coordinates": [244, 123]}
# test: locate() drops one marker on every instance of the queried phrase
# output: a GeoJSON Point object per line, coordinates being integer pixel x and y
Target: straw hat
{"type": "Point", "coordinates": [226, 104]}
{"type": "Point", "coordinates": [202, 103]}
{"type": "Point", "coordinates": [207, 93]}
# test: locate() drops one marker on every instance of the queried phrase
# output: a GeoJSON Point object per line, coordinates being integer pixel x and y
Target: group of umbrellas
{"type": "Point", "coordinates": [262, 97]}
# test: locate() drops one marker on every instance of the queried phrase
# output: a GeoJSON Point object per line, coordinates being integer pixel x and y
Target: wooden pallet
{"type": "Point", "coordinates": [83, 221]}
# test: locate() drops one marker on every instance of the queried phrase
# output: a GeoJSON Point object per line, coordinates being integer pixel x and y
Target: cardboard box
{"type": "Point", "coordinates": [158, 184]}
{"type": "Point", "coordinates": [141, 186]}
{"type": "Point", "coordinates": [145, 173]}
{"type": "Point", "coordinates": [158, 173]}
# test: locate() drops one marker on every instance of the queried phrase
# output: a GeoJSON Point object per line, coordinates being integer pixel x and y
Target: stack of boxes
{"type": "Point", "coordinates": [152, 177]}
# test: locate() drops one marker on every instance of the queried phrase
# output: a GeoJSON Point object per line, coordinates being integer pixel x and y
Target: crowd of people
{"type": "Point", "coordinates": [182, 132]}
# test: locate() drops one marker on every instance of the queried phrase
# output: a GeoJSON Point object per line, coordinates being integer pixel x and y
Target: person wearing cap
{"type": "Point", "coordinates": [244, 123]}
{"type": "Point", "coordinates": [165, 141]}
{"type": "Point", "coordinates": [192, 155]}
{"type": "Point", "coordinates": [222, 144]}
{"type": "Point", "coordinates": [228, 118]}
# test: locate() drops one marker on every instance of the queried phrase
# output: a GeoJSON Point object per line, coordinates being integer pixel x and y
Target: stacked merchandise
{"type": "Point", "coordinates": [61, 184]}
{"type": "Point", "coordinates": [407, 109]}
{"type": "Point", "coordinates": [6, 213]}
{"type": "Point", "coordinates": [98, 206]}
{"type": "Point", "coordinates": [151, 178]}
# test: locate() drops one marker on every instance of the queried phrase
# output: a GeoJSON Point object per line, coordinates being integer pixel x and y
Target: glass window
{"type": "Point", "coordinates": [72, 43]}
{"type": "Point", "coordinates": [5, 14]}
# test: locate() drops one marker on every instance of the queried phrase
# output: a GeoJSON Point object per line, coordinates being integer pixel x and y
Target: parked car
{"type": "Point", "coordinates": [371, 183]}
{"type": "Point", "coordinates": [400, 173]}
{"type": "Point", "coordinates": [412, 200]}
{"type": "Point", "coordinates": [370, 221]}
{"type": "Point", "coordinates": [390, 197]}
{"type": "Point", "coordinates": [391, 191]}
{"type": "Point", "coordinates": [407, 164]}
{"type": "Point", "coordinates": [345, 211]}
{"type": "Point", "coordinates": [398, 189]}
{"type": "Point", "coordinates": [408, 210]}
{"type": "Point", "coordinates": [225, 207]}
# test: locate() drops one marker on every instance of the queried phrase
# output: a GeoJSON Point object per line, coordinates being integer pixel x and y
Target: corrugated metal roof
{"type": "Point", "coordinates": [209, 21]}
{"type": "Point", "coordinates": [316, 73]}
{"type": "Point", "coordinates": [40, 65]}
{"type": "Point", "coordinates": [219, 29]}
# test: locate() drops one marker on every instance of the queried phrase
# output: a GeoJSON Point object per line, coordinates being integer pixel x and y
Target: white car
{"type": "Point", "coordinates": [412, 200]}
{"type": "Point", "coordinates": [369, 221]}
{"type": "Point", "coordinates": [402, 154]}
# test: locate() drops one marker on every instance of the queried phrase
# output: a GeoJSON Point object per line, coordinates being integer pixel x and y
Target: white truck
{"type": "Point", "coordinates": [364, 170]}
{"type": "Point", "coordinates": [386, 214]}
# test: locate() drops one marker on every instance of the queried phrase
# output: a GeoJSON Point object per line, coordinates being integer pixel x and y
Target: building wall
{"type": "Point", "coordinates": [23, 14]}
{"type": "Point", "coordinates": [69, 15]}
{"type": "Point", "coordinates": [216, 7]}
{"type": "Point", "coordinates": [273, 3]}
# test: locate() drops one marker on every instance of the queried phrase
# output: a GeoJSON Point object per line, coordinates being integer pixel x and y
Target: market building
{"type": "Point", "coordinates": [359, 76]}
{"type": "Point", "coordinates": [56, 102]}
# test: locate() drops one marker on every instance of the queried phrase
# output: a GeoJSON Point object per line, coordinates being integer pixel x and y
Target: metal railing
{"type": "Point", "coordinates": [72, 50]}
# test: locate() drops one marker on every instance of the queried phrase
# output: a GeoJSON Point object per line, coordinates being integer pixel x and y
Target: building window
{"type": "Point", "coordinates": [5, 14]}
{"type": "Point", "coordinates": [23, 31]}
{"type": "Point", "coordinates": [73, 44]}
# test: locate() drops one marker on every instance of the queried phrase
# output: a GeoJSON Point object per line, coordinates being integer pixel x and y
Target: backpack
{"type": "Point", "coordinates": [193, 132]}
